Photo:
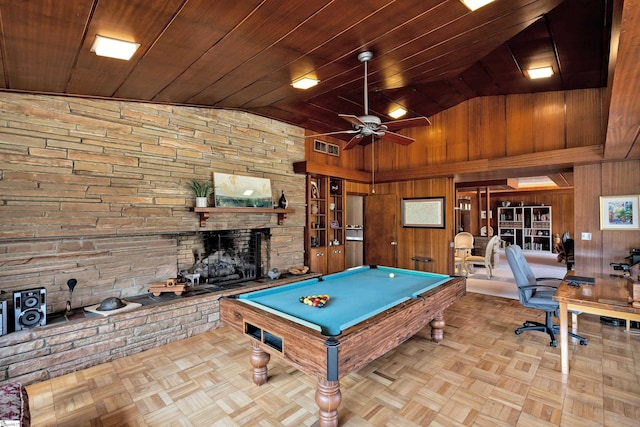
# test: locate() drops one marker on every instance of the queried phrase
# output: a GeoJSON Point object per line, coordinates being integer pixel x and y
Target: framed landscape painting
{"type": "Point", "coordinates": [237, 191]}
{"type": "Point", "coordinates": [619, 213]}
{"type": "Point", "coordinates": [423, 212]}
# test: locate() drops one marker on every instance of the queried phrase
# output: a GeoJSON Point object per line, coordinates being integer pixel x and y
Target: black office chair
{"type": "Point", "coordinates": [564, 249]}
{"type": "Point", "coordinates": [533, 294]}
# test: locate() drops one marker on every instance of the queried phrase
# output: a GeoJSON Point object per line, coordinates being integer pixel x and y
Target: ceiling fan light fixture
{"type": "Point", "coordinates": [305, 83]}
{"type": "Point", "coordinates": [540, 73]}
{"type": "Point", "coordinates": [114, 48]}
{"type": "Point", "coordinates": [475, 4]}
{"type": "Point", "coordinates": [397, 113]}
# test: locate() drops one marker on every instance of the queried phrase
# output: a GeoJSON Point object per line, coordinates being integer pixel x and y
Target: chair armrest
{"type": "Point", "coordinates": [549, 279]}
{"type": "Point", "coordinates": [537, 287]}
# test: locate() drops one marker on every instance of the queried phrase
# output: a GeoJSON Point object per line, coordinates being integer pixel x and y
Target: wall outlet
{"type": "Point", "coordinates": [586, 236]}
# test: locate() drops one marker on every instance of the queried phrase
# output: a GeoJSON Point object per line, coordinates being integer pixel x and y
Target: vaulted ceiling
{"type": "Point", "coordinates": [429, 55]}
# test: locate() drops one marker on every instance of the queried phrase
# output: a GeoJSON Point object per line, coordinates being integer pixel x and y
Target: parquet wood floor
{"type": "Point", "coordinates": [482, 374]}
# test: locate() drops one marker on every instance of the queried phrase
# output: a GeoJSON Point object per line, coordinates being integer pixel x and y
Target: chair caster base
{"type": "Point", "coordinates": [553, 343]}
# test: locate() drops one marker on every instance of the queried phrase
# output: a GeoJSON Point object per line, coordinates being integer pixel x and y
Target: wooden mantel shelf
{"type": "Point", "coordinates": [205, 212]}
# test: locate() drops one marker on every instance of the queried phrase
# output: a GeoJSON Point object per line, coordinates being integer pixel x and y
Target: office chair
{"type": "Point", "coordinates": [486, 260]}
{"type": "Point", "coordinates": [535, 295]}
{"type": "Point", "coordinates": [564, 249]}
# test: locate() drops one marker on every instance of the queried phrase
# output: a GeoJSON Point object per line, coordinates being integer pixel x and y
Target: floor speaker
{"type": "Point", "coordinates": [30, 308]}
{"type": "Point", "coordinates": [3, 318]}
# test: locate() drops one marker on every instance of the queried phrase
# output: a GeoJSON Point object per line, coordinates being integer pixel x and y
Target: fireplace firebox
{"type": "Point", "coordinates": [233, 256]}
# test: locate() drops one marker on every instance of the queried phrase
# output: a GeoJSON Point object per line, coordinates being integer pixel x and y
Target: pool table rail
{"type": "Point", "coordinates": [365, 342]}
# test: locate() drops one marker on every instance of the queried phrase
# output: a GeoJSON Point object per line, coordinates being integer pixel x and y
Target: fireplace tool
{"type": "Point", "coordinates": [71, 283]}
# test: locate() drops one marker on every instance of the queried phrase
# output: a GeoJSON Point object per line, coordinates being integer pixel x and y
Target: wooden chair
{"type": "Point", "coordinates": [463, 243]}
{"type": "Point", "coordinates": [487, 260]}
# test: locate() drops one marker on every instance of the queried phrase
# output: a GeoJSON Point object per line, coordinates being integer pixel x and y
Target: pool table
{"type": "Point", "coordinates": [370, 311]}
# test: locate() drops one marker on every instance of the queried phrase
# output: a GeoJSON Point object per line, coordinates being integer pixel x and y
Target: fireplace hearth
{"type": "Point", "coordinates": [233, 256]}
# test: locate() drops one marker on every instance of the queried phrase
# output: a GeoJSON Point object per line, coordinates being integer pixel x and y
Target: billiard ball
{"type": "Point", "coordinates": [392, 275]}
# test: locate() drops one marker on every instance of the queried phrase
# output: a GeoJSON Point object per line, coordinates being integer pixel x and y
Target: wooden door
{"type": "Point", "coordinates": [380, 230]}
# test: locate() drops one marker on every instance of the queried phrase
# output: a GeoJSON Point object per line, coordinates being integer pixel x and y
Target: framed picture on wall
{"type": "Point", "coordinates": [619, 212]}
{"type": "Point", "coordinates": [427, 212]}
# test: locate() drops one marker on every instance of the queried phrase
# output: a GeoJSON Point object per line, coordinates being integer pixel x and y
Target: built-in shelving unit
{"type": "Point", "coordinates": [325, 231]}
{"type": "Point", "coordinates": [526, 226]}
{"type": "Point", "coordinates": [205, 213]}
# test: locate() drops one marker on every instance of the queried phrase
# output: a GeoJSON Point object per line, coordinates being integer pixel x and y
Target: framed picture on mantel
{"type": "Point", "coordinates": [427, 212]}
{"type": "Point", "coordinates": [242, 191]}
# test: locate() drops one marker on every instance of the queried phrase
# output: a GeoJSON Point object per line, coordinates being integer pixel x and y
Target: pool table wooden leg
{"type": "Point", "coordinates": [437, 327]}
{"type": "Point", "coordinates": [259, 360]}
{"type": "Point", "coordinates": [328, 398]}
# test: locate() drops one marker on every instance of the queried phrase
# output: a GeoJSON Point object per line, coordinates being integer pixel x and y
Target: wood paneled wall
{"type": "Point", "coordinates": [430, 242]}
{"type": "Point", "coordinates": [591, 182]}
{"type": "Point", "coordinates": [352, 159]}
{"type": "Point", "coordinates": [412, 242]}
{"type": "Point", "coordinates": [495, 128]}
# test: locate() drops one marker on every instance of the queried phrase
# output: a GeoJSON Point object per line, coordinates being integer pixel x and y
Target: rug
{"type": "Point", "coordinates": [502, 284]}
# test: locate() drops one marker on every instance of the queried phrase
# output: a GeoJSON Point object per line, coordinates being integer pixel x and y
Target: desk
{"type": "Point", "coordinates": [609, 296]}
{"type": "Point", "coordinates": [367, 315]}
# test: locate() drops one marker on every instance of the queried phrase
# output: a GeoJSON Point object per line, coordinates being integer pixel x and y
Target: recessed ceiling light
{"type": "Point", "coordinates": [536, 181]}
{"type": "Point", "coordinates": [398, 112]}
{"type": "Point", "coordinates": [305, 83]}
{"type": "Point", "coordinates": [475, 4]}
{"type": "Point", "coordinates": [540, 73]}
{"type": "Point", "coordinates": [114, 48]}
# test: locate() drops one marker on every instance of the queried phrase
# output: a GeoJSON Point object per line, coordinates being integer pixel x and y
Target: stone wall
{"type": "Point", "coordinates": [97, 190]}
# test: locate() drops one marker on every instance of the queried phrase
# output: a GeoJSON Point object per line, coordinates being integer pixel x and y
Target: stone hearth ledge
{"type": "Point", "coordinates": [68, 345]}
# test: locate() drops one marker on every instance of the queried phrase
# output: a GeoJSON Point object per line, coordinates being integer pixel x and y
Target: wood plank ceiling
{"type": "Point", "coordinates": [429, 54]}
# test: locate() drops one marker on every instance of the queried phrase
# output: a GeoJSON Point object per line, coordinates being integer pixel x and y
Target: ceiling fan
{"type": "Point", "coordinates": [369, 125]}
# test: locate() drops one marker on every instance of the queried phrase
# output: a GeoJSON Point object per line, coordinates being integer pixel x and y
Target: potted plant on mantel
{"type": "Point", "coordinates": [202, 191]}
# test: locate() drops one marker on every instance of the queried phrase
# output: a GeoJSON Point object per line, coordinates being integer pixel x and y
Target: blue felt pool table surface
{"type": "Point", "coordinates": [355, 295]}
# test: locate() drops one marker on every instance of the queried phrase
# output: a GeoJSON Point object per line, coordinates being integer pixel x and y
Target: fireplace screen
{"type": "Point", "coordinates": [234, 256]}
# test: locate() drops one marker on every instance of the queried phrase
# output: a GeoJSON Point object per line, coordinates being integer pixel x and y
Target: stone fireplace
{"type": "Point", "coordinates": [98, 191]}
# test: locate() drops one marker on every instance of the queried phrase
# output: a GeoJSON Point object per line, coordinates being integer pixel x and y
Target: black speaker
{"type": "Point", "coordinates": [30, 308]}
{"type": "Point", "coordinates": [3, 318]}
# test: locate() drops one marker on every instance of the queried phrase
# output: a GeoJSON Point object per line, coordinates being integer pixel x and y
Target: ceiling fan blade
{"type": "Point", "coordinates": [354, 120]}
{"type": "Point", "coordinates": [333, 133]}
{"type": "Point", "coordinates": [407, 123]}
{"type": "Point", "coordinates": [397, 138]}
{"type": "Point", "coordinates": [353, 142]}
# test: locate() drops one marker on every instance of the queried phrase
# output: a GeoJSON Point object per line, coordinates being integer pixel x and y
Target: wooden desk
{"type": "Point", "coordinates": [609, 296]}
